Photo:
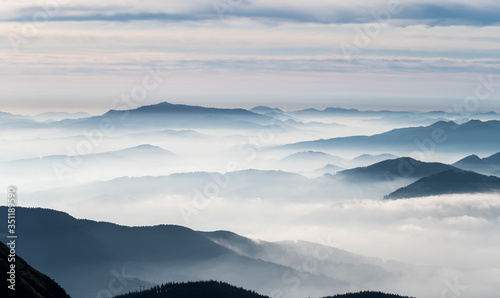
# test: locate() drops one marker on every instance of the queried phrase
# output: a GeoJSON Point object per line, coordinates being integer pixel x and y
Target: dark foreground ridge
{"type": "Point", "coordinates": [367, 294]}
{"type": "Point", "coordinates": [198, 289]}
{"type": "Point", "coordinates": [29, 281]}
{"type": "Point", "coordinates": [216, 289]}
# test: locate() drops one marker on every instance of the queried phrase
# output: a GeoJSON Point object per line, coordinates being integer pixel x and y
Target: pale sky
{"type": "Point", "coordinates": [81, 55]}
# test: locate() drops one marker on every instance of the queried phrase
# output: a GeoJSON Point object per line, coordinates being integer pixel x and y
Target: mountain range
{"type": "Point", "coordinates": [167, 115]}
{"type": "Point", "coordinates": [60, 169]}
{"type": "Point", "coordinates": [439, 137]}
{"type": "Point", "coordinates": [84, 256]}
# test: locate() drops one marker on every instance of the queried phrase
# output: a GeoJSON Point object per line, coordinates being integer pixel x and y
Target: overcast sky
{"type": "Point", "coordinates": [82, 55]}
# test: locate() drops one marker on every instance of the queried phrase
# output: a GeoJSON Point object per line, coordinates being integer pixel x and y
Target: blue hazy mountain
{"type": "Point", "coordinates": [328, 112]}
{"type": "Point", "coordinates": [265, 110]}
{"type": "Point", "coordinates": [139, 154]}
{"type": "Point", "coordinates": [371, 182]}
{"type": "Point", "coordinates": [277, 114]}
{"type": "Point", "coordinates": [399, 168]}
{"type": "Point", "coordinates": [340, 264]}
{"type": "Point", "coordinates": [244, 184]}
{"type": "Point", "coordinates": [58, 116]}
{"type": "Point", "coordinates": [12, 121]}
{"type": "Point", "coordinates": [474, 135]}
{"type": "Point", "coordinates": [167, 115]}
{"type": "Point", "coordinates": [6, 117]}
{"type": "Point", "coordinates": [84, 255]}
{"type": "Point", "coordinates": [268, 185]}
{"type": "Point", "coordinates": [336, 111]}
{"type": "Point", "coordinates": [328, 169]}
{"type": "Point", "coordinates": [449, 182]}
{"type": "Point", "coordinates": [135, 161]}
{"type": "Point", "coordinates": [29, 282]}
{"type": "Point", "coordinates": [309, 160]}
{"type": "Point", "coordinates": [368, 159]}
{"type": "Point", "coordinates": [486, 165]}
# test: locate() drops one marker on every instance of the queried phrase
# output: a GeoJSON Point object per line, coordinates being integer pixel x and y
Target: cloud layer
{"type": "Point", "coordinates": [336, 52]}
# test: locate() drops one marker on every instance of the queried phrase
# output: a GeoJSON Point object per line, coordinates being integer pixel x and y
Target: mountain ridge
{"type": "Point", "coordinates": [448, 182]}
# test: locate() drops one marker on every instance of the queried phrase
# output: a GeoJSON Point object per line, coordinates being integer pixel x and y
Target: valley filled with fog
{"type": "Point", "coordinates": [405, 202]}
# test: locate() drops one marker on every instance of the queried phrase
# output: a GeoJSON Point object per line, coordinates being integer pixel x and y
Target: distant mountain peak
{"type": "Point", "coordinates": [333, 109]}
{"type": "Point", "coordinates": [265, 109]}
{"type": "Point", "coordinates": [443, 124]}
{"type": "Point", "coordinates": [470, 158]}
{"type": "Point", "coordinates": [473, 121]}
{"type": "Point", "coordinates": [145, 148]}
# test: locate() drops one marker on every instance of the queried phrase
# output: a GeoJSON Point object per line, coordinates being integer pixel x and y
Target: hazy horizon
{"type": "Point", "coordinates": [24, 111]}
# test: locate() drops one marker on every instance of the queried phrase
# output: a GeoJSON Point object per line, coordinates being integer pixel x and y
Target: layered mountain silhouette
{"type": "Point", "coordinates": [135, 161]}
{"type": "Point", "coordinates": [267, 185]}
{"type": "Point", "coordinates": [393, 169]}
{"type": "Point", "coordinates": [440, 136]}
{"type": "Point", "coordinates": [336, 111]}
{"type": "Point", "coordinates": [449, 182]}
{"type": "Point", "coordinates": [30, 283]}
{"type": "Point", "coordinates": [328, 169]}
{"type": "Point", "coordinates": [368, 159]}
{"type": "Point", "coordinates": [337, 263]}
{"type": "Point", "coordinates": [486, 165]}
{"type": "Point", "coordinates": [58, 116]}
{"type": "Point", "coordinates": [85, 256]}
{"type": "Point", "coordinates": [309, 160]}
{"type": "Point", "coordinates": [167, 115]}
